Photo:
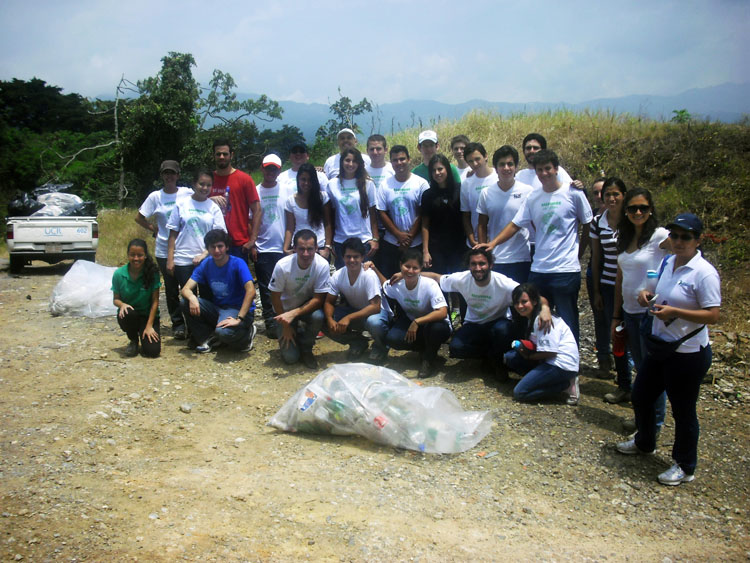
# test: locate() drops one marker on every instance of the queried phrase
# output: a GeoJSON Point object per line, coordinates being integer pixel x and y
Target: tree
{"type": "Point", "coordinates": [219, 100]}
{"type": "Point", "coordinates": [344, 112]}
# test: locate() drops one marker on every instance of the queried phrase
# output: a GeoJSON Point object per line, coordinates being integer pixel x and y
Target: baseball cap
{"type": "Point", "coordinates": [428, 135]}
{"type": "Point", "coordinates": [687, 221]}
{"type": "Point", "coordinates": [271, 160]}
{"type": "Point", "coordinates": [172, 165]}
{"type": "Point", "coordinates": [346, 130]}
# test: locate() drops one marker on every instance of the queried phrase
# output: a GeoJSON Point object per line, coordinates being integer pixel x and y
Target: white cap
{"type": "Point", "coordinates": [428, 135]}
{"type": "Point", "coordinates": [346, 130]}
{"type": "Point", "coordinates": [271, 159]}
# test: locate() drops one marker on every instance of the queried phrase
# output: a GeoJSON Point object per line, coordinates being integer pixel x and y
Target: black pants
{"type": "Point", "coordinates": [133, 325]}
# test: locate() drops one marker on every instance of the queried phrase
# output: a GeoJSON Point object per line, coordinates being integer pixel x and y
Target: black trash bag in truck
{"type": "Point", "coordinates": [83, 209]}
{"type": "Point", "coordinates": [23, 206]}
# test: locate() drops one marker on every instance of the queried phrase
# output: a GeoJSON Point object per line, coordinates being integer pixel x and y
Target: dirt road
{"type": "Point", "coordinates": [100, 463]}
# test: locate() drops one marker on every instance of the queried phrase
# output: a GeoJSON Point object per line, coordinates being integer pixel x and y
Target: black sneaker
{"type": "Point", "coordinates": [425, 369]}
{"type": "Point", "coordinates": [132, 349]}
{"type": "Point", "coordinates": [179, 333]}
{"type": "Point", "coordinates": [308, 359]}
{"type": "Point", "coordinates": [251, 342]}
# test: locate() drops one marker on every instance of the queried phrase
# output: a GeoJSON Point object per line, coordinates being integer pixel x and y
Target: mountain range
{"type": "Point", "coordinates": [728, 103]}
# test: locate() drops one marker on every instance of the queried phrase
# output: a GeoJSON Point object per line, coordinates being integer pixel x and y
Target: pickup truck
{"type": "Point", "coordinates": [50, 239]}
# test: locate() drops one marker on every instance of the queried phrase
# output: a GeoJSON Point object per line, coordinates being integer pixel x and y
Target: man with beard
{"type": "Point", "coordinates": [487, 331]}
{"type": "Point", "coordinates": [234, 192]}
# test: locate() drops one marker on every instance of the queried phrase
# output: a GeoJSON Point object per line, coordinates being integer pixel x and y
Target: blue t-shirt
{"type": "Point", "coordinates": [227, 283]}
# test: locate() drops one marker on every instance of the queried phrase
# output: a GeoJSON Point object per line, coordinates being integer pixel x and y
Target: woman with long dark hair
{"type": "Point", "coordinates": [309, 208]}
{"type": "Point", "coordinates": [135, 289]}
{"type": "Point", "coordinates": [353, 198]}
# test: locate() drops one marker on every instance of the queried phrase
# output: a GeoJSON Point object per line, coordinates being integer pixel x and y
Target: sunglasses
{"type": "Point", "coordinates": [633, 209]}
{"type": "Point", "coordinates": [678, 236]}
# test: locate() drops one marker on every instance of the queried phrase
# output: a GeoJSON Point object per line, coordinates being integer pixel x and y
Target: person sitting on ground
{"type": "Point", "coordinates": [299, 286]}
{"type": "Point", "coordinates": [551, 367]}
{"type": "Point", "coordinates": [227, 317]}
{"type": "Point", "coordinates": [135, 288]}
{"type": "Point", "coordinates": [359, 291]}
{"type": "Point", "coordinates": [413, 315]}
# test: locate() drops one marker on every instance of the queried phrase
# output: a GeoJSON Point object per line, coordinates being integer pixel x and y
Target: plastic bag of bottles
{"type": "Point", "coordinates": [385, 407]}
{"type": "Point", "coordinates": [85, 291]}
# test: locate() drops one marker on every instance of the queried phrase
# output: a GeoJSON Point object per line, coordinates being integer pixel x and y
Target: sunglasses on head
{"type": "Point", "coordinates": [633, 209]}
{"type": "Point", "coordinates": [678, 236]}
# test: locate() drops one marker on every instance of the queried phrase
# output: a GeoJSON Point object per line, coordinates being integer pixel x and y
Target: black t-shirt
{"type": "Point", "coordinates": [444, 212]}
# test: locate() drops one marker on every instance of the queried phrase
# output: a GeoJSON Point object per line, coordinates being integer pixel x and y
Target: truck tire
{"type": "Point", "coordinates": [16, 264]}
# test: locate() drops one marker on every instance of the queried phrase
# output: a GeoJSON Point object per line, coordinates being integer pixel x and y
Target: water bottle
{"type": "Point", "coordinates": [229, 205]}
{"type": "Point", "coordinates": [652, 278]}
{"type": "Point", "coordinates": [516, 345]}
{"type": "Point", "coordinates": [618, 342]}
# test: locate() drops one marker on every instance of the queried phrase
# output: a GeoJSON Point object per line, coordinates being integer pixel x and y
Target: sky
{"type": "Point", "coordinates": [389, 50]}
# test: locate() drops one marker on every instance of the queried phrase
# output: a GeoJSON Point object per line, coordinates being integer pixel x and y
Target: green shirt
{"type": "Point", "coordinates": [422, 172]}
{"type": "Point", "coordinates": [132, 291]}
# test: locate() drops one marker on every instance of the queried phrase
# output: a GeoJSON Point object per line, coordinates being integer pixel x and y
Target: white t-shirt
{"type": "Point", "coordinates": [358, 294]}
{"type": "Point", "coordinates": [634, 266]}
{"type": "Point", "coordinates": [333, 163]}
{"type": "Point", "coordinates": [192, 220]}
{"type": "Point", "coordinates": [345, 200]}
{"type": "Point", "coordinates": [463, 172]}
{"type": "Point", "coordinates": [301, 220]}
{"type": "Point", "coordinates": [380, 175]}
{"type": "Point", "coordinates": [528, 176]}
{"type": "Point", "coordinates": [272, 224]}
{"type": "Point", "coordinates": [423, 299]}
{"type": "Point", "coordinates": [401, 200]}
{"type": "Point", "coordinates": [160, 203]}
{"type": "Point", "coordinates": [290, 177]}
{"type": "Point", "coordinates": [560, 340]}
{"type": "Point", "coordinates": [695, 286]}
{"type": "Point", "coordinates": [484, 304]}
{"type": "Point", "coordinates": [471, 188]}
{"type": "Point", "coordinates": [500, 207]}
{"type": "Point", "coordinates": [555, 217]}
{"type": "Point", "coordinates": [298, 286]}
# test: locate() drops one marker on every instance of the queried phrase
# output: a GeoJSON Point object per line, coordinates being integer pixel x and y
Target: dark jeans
{"type": "Point", "coordinates": [133, 325]}
{"type": "Point", "coordinates": [482, 340]}
{"type": "Point", "coordinates": [306, 328]}
{"type": "Point", "coordinates": [172, 293]}
{"type": "Point", "coordinates": [561, 290]}
{"type": "Point", "coordinates": [680, 376]}
{"type": "Point", "coordinates": [622, 365]}
{"type": "Point", "coordinates": [517, 271]}
{"type": "Point", "coordinates": [204, 326]}
{"type": "Point", "coordinates": [264, 266]}
{"type": "Point", "coordinates": [390, 256]}
{"type": "Point", "coordinates": [637, 349]}
{"type": "Point", "coordinates": [540, 379]}
{"type": "Point", "coordinates": [601, 329]}
{"type": "Point", "coordinates": [353, 335]}
{"type": "Point", "coordinates": [391, 333]}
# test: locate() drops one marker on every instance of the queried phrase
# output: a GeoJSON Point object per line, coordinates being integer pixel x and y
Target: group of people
{"type": "Point", "coordinates": [414, 250]}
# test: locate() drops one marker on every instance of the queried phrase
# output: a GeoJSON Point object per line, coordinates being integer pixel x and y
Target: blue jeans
{"type": "Point", "coordinates": [353, 335]}
{"type": "Point", "coordinates": [637, 350]}
{"type": "Point", "coordinates": [517, 271]}
{"type": "Point", "coordinates": [204, 326]}
{"type": "Point", "coordinates": [391, 333]}
{"type": "Point", "coordinates": [540, 379]}
{"type": "Point", "coordinates": [561, 290]}
{"type": "Point", "coordinates": [482, 340]}
{"type": "Point", "coordinates": [306, 328]}
{"type": "Point", "coordinates": [264, 266]}
{"type": "Point", "coordinates": [601, 329]}
{"type": "Point", "coordinates": [680, 376]}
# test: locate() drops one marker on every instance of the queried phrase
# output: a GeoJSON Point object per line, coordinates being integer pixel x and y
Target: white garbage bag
{"type": "Point", "coordinates": [85, 291]}
{"type": "Point", "coordinates": [385, 407]}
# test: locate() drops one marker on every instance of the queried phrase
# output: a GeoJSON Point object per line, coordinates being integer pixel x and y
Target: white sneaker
{"type": "Point", "coordinates": [629, 448]}
{"type": "Point", "coordinates": [674, 476]}
{"type": "Point", "coordinates": [574, 392]}
{"type": "Point", "coordinates": [251, 342]}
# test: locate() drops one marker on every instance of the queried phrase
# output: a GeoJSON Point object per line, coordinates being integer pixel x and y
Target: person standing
{"type": "Point", "coordinates": [346, 139]}
{"type": "Point", "coordinates": [234, 192]}
{"type": "Point", "coordinates": [298, 155]}
{"type": "Point", "coordinates": [428, 146]}
{"type": "Point", "coordinates": [159, 204]}
{"type": "Point", "coordinates": [687, 299]}
{"type": "Point", "coordinates": [483, 177]}
{"type": "Point", "coordinates": [458, 145]}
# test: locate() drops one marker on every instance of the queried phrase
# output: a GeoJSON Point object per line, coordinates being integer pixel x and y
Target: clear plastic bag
{"type": "Point", "coordinates": [385, 407]}
{"type": "Point", "coordinates": [85, 291]}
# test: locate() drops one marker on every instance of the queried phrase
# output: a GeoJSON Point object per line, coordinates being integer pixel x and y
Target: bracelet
{"type": "Point", "coordinates": [239, 318]}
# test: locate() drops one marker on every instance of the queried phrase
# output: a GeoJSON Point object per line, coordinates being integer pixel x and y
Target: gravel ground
{"type": "Point", "coordinates": [108, 458]}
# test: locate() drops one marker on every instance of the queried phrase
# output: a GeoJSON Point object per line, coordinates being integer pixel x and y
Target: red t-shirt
{"type": "Point", "coordinates": [242, 193]}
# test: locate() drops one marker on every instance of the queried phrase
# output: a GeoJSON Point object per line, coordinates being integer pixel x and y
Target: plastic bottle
{"type": "Point", "coordinates": [652, 278]}
{"type": "Point", "coordinates": [229, 205]}
{"type": "Point", "coordinates": [516, 345]}
{"type": "Point", "coordinates": [618, 342]}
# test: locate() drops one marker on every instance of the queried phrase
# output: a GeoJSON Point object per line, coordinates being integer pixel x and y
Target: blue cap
{"type": "Point", "coordinates": [688, 222]}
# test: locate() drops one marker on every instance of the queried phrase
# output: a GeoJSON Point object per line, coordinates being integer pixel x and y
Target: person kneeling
{"type": "Point", "coordinates": [359, 290]}
{"type": "Point", "coordinates": [413, 315]}
{"type": "Point", "coordinates": [227, 317]}
{"type": "Point", "coordinates": [552, 367]}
